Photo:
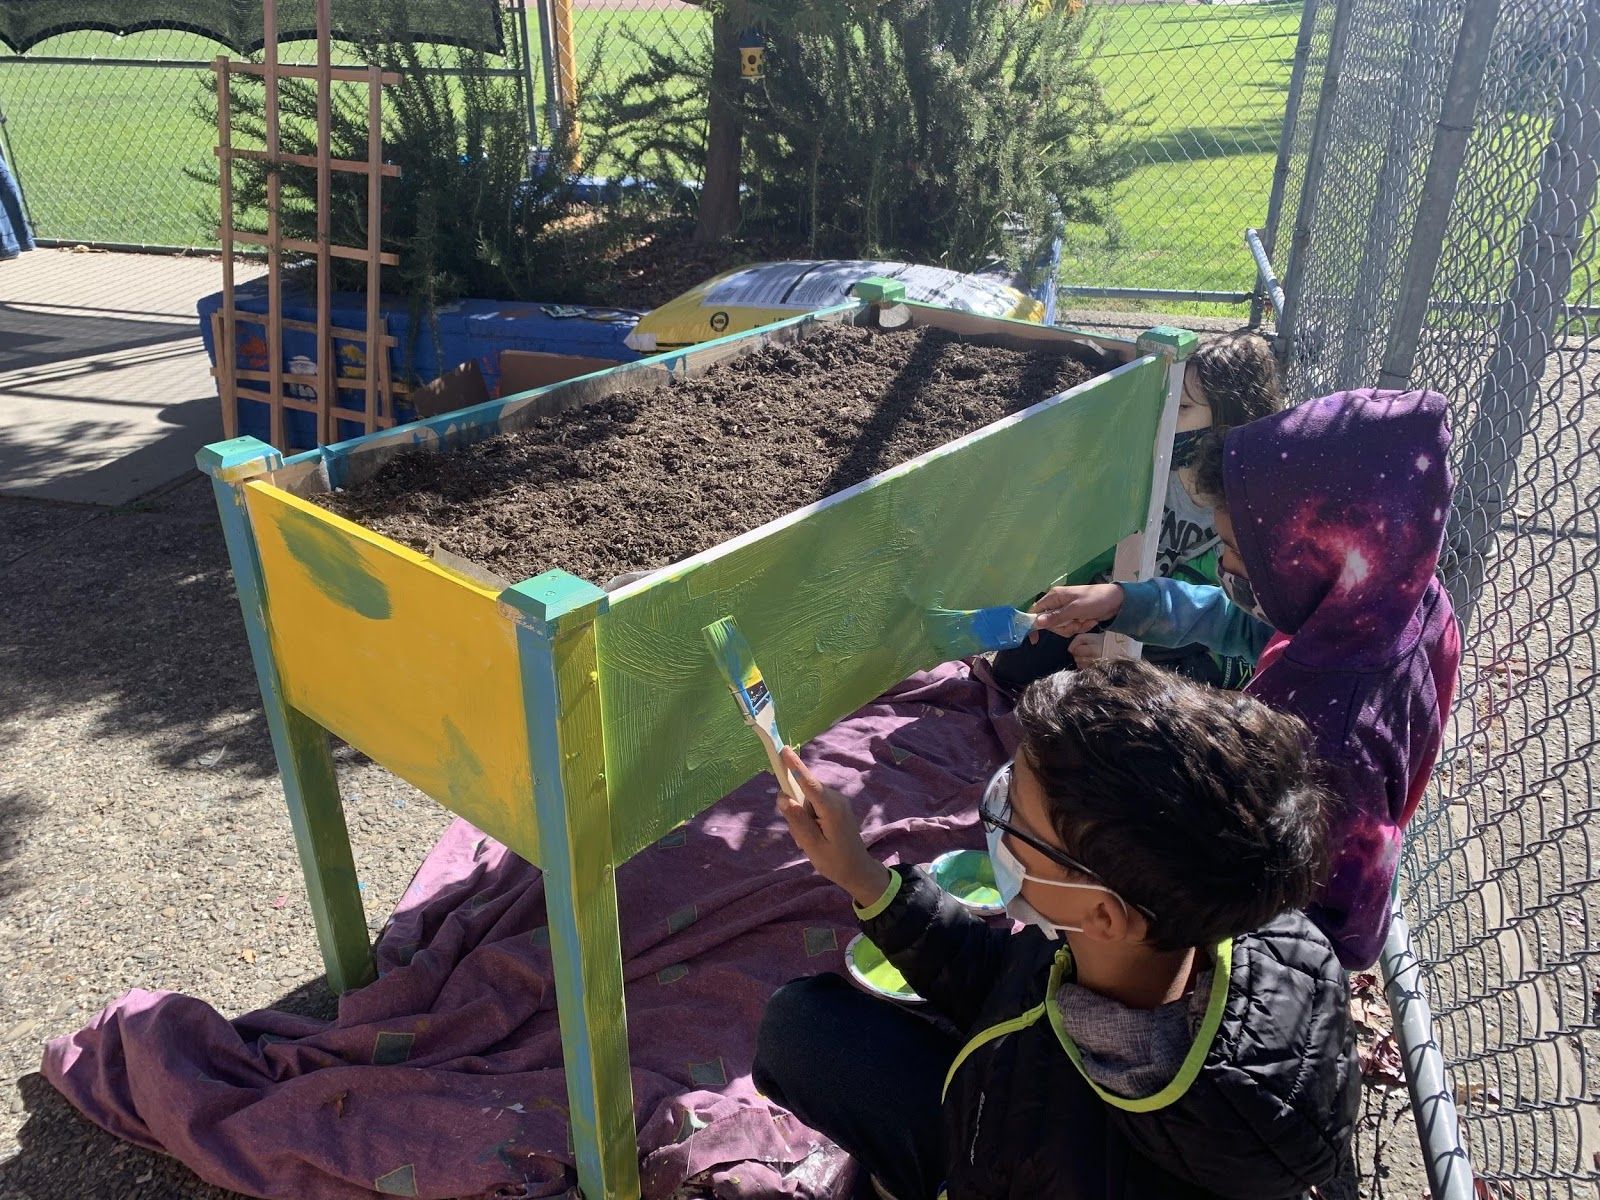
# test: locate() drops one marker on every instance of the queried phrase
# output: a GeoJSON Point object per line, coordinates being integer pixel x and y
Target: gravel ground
{"type": "Point", "coordinates": [143, 837]}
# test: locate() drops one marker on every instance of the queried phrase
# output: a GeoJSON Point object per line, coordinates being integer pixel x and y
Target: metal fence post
{"type": "Point", "coordinates": [1432, 1103]}
{"type": "Point", "coordinates": [1383, 226]}
{"type": "Point", "coordinates": [1316, 164]}
{"type": "Point", "coordinates": [564, 63]}
{"type": "Point", "coordinates": [1291, 121]}
{"type": "Point", "coordinates": [1534, 304]}
{"type": "Point", "coordinates": [553, 98]}
{"type": "Point", "coordinates": [519, 19]}
{"type": "Point", "coordinates": [1457, 115]}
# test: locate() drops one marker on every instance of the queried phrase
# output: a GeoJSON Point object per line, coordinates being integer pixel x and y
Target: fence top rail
{"type": "Point", "coordinates": [206, 64]}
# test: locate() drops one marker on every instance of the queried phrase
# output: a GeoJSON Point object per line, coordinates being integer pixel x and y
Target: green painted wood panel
{"type": "Point", "coordinates": [832, 598]}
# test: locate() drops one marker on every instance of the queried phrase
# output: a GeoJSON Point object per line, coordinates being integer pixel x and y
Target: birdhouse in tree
{"type": "Point", "coordinates": [752, 53]}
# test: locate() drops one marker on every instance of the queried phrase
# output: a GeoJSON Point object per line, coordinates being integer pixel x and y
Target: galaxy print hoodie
{"type": "Point", "coordinates": [1338, 507]}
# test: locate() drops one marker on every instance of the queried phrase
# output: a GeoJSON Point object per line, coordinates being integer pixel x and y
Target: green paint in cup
{"type": "Point", "coordinates": [872, 971]}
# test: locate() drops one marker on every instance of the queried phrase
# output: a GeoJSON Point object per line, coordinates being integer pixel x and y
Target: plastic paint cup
{"type": "Point", "coordinates": [968, 875]}
{"type": "Point", "coordinates": [875, 973]}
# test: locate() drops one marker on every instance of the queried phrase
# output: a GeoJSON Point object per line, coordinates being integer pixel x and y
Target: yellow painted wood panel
{"type": "Point", "coordinates": [410, 663]}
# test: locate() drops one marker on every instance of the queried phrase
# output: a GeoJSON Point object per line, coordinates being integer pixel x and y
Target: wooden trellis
{"type": "Point", "coordinates": [286, 391]}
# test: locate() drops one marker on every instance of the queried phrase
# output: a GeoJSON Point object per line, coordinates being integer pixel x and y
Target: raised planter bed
{"type": "Point", "coordinates": [578, 726]}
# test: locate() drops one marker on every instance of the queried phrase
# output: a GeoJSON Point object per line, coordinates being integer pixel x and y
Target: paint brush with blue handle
{"type": "Point", "coordinates": [737, 665]}
{"type": "Point", "coordinates": [960, 632]}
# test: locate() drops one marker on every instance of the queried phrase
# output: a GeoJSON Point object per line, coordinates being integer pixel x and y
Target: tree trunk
{"type": "Point", "coordinates": [719, 193]}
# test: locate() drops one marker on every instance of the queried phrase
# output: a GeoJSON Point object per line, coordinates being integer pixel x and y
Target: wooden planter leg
{"type": "Point", "coordinates": [555, 615]}
{"type": "Point", "coordinates": [1136, 553]}
{"type": "Point", "coordinates": [301, 745]}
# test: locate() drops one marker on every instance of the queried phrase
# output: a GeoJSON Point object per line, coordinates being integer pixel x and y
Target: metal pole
{"type": "Point", "coordinates": [552, 81]}
{"type": "Point", "coordinates": [1131, 293]}
{"type": "Point", "coordinates": [519, 20]}
{"type": "Point", "coordinates": [1316, 165]}
{"type": "Point", "coordinates": [566, 68]}
{"type": "Point", "coordinates": [327, 399]}
{"type": "Point", "coordinates": [1532, 315]}
{"type": "Point", "coordinates": [269, 52]}
{"type": "Point", "coordinates": [251, 252]}
{"type": "Point", "coordinates": [1457, 115]}
{"type": "Point", "coordinates": [1291, 121]}
{"type": "Point", "coordinates": [1266, 278]}
{"type": "Point", "coordinates": [1406, 133]}
{"type": "Point", "coordinates": [1432, 1104]}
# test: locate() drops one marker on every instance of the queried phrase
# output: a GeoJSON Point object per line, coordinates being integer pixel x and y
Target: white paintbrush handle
{"type": "Point", "coordinates": [769, 743]}
{"type": "Point", "coordinates": [766, 733]}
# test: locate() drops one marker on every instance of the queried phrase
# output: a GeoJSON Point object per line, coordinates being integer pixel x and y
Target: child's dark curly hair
{"type": "Point", "coordinates": [1239, 377]}
{"type": "Point", "coordinates": [1201, 805]}
{"type": "Point", "coordinates": [1207, 464]}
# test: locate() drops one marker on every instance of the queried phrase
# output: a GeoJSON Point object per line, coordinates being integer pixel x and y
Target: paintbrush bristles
{"type": "Point", "coordinates": [726, 642]}
{"type": "Point", "coordinates": [958, 633]}
{"type": "Point", "coordinates": [737, 665]}
{"type": "Point", "coordinates": [731, 652]}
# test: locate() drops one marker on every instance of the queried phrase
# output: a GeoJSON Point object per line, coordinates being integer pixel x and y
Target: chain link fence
{"type": "Point", "coordinates": [1201, 89]}
{"type": "Point", "coordinates": [1443, 184]}
{"type": "Point", "coordinates": [101, 128]}
{"type": "Point", "coordinates": [103, 131]}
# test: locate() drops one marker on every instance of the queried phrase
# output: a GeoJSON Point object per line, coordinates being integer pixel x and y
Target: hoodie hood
{"type": "Point", "coordinates": [1339, 507]}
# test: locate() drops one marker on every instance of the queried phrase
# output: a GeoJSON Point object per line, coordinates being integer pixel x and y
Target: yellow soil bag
{"type": "Point", "coordinates": [766, 292]}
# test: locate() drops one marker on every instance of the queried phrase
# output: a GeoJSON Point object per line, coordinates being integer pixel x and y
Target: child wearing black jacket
{"type": "Point", "coordinates": [1165, 1024]}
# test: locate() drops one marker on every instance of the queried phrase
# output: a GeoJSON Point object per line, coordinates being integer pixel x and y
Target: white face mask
{"type": "Point", "coordinates": [1243, 595]}
{"type": "Point", "coordinates": [1009, 876]}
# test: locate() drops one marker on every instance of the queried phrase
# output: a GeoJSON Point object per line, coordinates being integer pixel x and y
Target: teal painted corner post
{"type": "Point", "coordinates": [305, 761]}
{"type": "Point", "coordinates": [555, 617]}
{"type": "Point", "coordinates": [1136, 553]}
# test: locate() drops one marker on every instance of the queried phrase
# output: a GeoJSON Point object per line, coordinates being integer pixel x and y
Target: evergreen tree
{"type": "Point", "coordinates": [951, 131]}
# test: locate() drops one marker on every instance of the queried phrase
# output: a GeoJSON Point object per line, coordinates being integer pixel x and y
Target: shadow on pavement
{"type": "Point", "coordinates": [29, 338]}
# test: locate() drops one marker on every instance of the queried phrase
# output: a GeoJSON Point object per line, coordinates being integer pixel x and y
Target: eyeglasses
{"type": "Point", "coordinates": [994, 810]}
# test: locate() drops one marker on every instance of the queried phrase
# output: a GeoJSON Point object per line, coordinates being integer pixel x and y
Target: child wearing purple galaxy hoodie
{"type": "Point", "coordinates": [1332, 514]}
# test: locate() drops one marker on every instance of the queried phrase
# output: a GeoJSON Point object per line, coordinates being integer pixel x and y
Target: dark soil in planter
{"type": "Point", "coordinates": [640, 480]}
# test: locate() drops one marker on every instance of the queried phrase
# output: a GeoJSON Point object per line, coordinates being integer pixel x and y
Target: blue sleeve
{"type": "Point", "coordinates": [1167, 612]}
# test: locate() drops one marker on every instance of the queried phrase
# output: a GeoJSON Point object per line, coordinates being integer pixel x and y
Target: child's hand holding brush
{"type": "Point", "coordinates": [827, 832]}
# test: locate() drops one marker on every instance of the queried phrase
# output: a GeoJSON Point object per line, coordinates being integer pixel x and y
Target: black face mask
{"type": "Point", "coordinates": [1185, 446]}
{"type": "Point", "coordinates": [1243, 594]}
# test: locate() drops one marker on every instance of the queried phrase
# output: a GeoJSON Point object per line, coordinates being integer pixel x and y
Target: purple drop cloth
{"type": "Point", "coordinates": [443, 1078]}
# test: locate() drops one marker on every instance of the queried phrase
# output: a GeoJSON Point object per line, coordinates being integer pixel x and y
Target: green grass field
{"type": "Point", "coordinates": [101, 149]}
